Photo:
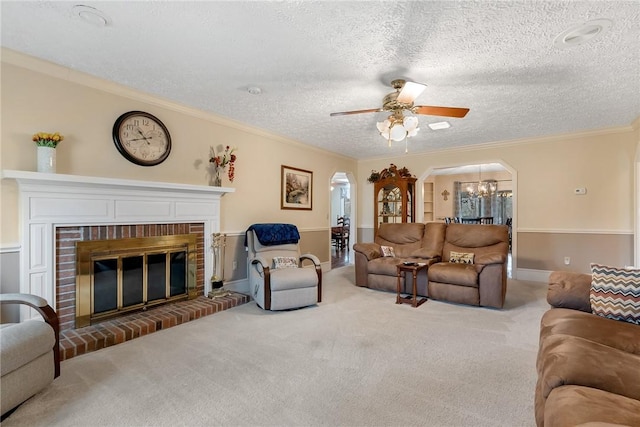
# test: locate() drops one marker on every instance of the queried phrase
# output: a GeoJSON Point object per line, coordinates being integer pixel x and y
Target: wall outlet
{"type": "Point", "coordinates": [567, 260]}
{"type": "Point", "coordinates": [581, 191]}
{"type": "Point", "coordinates": [234, 265]}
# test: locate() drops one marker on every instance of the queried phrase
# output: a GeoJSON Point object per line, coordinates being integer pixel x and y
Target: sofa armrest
{"type": "Point", "coordinates": [312, 258]}
{"type": "Point", "coordinates": [491, 258]}
{"type": "Point", "coordinates": [369, 250]}
{"type": "Point", "coordinates": [261, 265]}
{"type": "Point", "coordinates": [569, 290]}
{"type": "Point", "coordinates": [48, 314]}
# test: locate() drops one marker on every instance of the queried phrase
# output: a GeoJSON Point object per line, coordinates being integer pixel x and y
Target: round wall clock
{"type": "Point", "coordinates": [142, 138]}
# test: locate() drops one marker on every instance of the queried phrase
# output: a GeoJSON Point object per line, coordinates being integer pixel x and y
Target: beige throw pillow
{"type": "Point", "coordinates": [461, 257]}
{"type": "Point", "coordinates": [285, 262]}
{"type": "Point", "coordinates": [387, 251]}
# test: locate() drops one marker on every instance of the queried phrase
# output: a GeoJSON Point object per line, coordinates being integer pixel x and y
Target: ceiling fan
{"type": "Point", "coordinates": [398, 127]}
{"type": "Point", "coordinates": [402, 99]}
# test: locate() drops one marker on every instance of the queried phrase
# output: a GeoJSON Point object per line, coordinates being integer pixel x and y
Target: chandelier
{"type": "Point", "coordinates": [482, 188]}
{"type": "Point", "coordinates": [398, 127]}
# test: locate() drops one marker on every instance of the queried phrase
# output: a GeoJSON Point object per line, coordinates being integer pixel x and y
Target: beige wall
{"type": "Point", "coordinates": [546, 171]}
{"type": "Point", "coordinates": [39, 96]}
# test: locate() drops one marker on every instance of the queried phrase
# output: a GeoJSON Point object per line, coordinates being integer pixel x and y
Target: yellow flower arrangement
{"type": "Point", "coordinates": [43, 139]}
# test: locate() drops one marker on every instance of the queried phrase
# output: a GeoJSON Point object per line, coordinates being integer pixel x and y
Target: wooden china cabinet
{"type": "Point", "coordinates": [394, 200]}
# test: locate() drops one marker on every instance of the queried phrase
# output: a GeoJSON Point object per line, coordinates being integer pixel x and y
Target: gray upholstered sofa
{"type": "Point", "coordinates": [483, 282]}
{"type": "Point", "coordinates": [29, 352]}
{"type": "Point", "coordinates": [588, 365]}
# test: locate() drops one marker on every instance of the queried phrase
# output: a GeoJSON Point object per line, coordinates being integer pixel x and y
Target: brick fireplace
{"type": "Point", "coordinates": [66, 257]}
{"type": "Point", "coordinates": [57, 210]}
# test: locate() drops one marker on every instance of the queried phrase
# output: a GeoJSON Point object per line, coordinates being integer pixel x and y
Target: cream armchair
{"type": "Point", "coordinates": [29, 352]}
{"type": "Point", "coordinates": [277, 278]}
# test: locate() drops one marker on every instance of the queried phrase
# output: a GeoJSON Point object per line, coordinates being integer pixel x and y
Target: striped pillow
{"type": "Point", "coordinates": [615, 293]}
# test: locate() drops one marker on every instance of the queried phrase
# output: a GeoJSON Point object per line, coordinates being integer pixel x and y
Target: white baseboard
{"type": "Point", "coordinates": [532, 275]}
{"type": "Point", "coordinates": [241, 286]}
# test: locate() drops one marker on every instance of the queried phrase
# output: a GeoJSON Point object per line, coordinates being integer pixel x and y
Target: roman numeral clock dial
{"type": "Point", "coordinates": [141, 138]}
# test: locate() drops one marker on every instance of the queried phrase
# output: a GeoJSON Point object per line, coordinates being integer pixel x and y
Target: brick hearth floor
{"type": "Point", "coordinates": [74, 342]}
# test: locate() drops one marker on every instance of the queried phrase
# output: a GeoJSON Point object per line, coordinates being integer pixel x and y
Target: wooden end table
{"type": "Point", "coordinates": [414, 268]}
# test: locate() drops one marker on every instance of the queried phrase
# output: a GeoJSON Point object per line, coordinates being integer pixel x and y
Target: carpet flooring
{"type": "Point", "coordinates": [356, 359]}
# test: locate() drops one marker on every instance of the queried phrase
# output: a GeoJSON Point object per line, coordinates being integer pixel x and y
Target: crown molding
{"type": "Point", "coordinates": [51, 69]}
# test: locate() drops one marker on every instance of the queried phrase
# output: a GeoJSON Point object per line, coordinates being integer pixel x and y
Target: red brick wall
{"type": "Point", "coordinates": [66, 237]}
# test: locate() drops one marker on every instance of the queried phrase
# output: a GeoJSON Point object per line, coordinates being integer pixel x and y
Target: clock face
{"type": "Point", "coordinates": [141, 138]}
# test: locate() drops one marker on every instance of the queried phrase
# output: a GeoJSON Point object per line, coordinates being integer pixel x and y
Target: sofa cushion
{"type": "Point", "coordinates": [400, 233]}
{"type": "Point", "coordinates": [615, 293]}
{"type": "Point", "coordinates": [293, 278]}
{"type": "Point", "coordinates": [405, 238]}
{"type": "Point", "coordinates": [477, 238]}
{"type": "Point", "coordinates": [432, 241]}
{"type": "Point", "coordinates": [476, 235]}
{"type": "Point", "coordinates": [384, 265]}
{"type": "Point", "coordinates": [575, 405]}
{"type": "Point", "coordinates": [426, 253]}
{"type": "Point", "coordinates": [457, 274]}
{"type": "Point", "coordinates": [569, 290]}
{"type": "Point", "coordinates": [571, 360]}
{"type": "Point", "coordinates": [23, 342]}
{"type": "Point", "coordinates": [621, 335]}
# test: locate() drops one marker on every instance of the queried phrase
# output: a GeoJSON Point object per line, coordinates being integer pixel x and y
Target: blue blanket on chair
{"type": "Point", "coordinates": [274, 234]}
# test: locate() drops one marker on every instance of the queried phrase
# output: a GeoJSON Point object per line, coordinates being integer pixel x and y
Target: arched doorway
{"type": "Point", "coordinates": [342, 207]}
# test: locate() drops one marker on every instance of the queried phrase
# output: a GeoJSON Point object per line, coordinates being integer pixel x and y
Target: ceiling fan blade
{"type": "Point", "coordinates": [440, 111]}
{"type": "Point", "coordinates": [345, 113]}
{"type": "Point", "coordinates": [410, 91]}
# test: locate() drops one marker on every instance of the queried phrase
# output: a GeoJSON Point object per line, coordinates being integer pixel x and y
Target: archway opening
{"type": "Point", "coordinates": [471, 193]}
{"type": "Point", "coordinates": [341, 219]}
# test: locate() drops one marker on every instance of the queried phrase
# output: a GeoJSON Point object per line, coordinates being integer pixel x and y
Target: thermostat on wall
{"type": "Point", "coordinates": [580, 191]}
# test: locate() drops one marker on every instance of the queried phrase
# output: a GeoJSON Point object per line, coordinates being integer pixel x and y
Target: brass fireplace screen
{"type": "Point", "coordinates": [123, 275]}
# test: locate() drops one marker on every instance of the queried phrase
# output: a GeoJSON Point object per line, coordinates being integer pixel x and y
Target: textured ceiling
{"type": "Point", "coordinates": [311, 58]}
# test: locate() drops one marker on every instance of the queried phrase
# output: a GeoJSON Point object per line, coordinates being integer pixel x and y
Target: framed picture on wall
{"type": "Point", "coordinates": [296, 188]}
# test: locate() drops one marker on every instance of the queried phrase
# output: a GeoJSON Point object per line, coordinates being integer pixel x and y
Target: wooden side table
{"type": "Point", "coordinates": [414, 268]}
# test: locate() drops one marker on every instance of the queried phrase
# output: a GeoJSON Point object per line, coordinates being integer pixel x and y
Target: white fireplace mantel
{"type": "Point", "coordinates": [49, 200]}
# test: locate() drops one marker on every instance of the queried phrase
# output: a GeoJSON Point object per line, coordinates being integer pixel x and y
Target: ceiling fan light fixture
{"type": "Point", "coordinates": [397, 127]}
{"type": "Point", "coordinates": [413, 132]}
{"type": "Point", "coordinates": [410, 123]}
{"type": "Point", "coordinates": [398, 132]}
{"type": "Point", "coordinates": [383, 126]}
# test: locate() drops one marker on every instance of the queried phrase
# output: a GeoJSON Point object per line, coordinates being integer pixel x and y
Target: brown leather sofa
{"type": "Point", "coordinates": [411, 242]}
{"type": "Point", "coordinates": [588, 366]}
{"type": "Point", "coordinates": [481, 283]}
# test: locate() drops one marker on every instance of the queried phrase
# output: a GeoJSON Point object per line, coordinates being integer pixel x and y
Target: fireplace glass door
{"type": "Point", "coordinates": [117, 276]}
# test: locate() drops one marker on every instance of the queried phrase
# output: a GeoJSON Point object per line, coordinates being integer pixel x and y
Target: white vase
{"type": "Point", "coordinates": [46, 159]}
